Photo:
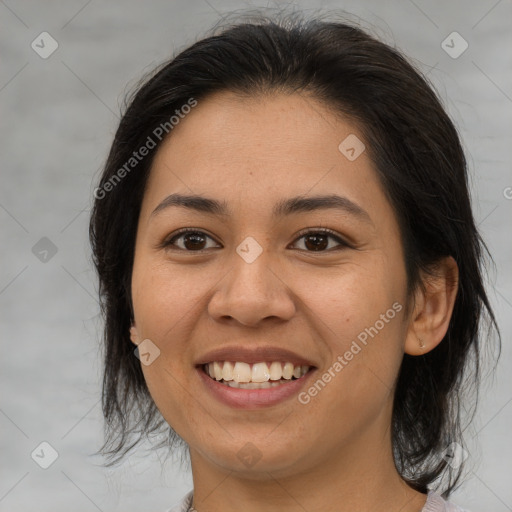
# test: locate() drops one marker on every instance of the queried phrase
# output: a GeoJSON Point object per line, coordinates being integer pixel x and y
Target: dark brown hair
{"type": "Point", "coordinates": [416, 150]}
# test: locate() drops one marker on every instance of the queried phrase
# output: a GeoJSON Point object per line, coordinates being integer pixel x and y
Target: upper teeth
{"type": "Point", "coordinates": [257, 372]}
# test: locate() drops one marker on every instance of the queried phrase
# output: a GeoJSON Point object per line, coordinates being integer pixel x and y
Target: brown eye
{"type": "Point", "coordinates": [191, 241]}
{"type": "Point", "coordinates": [196, 241]}
{"type": "Point", "coordinates": [318, 241]}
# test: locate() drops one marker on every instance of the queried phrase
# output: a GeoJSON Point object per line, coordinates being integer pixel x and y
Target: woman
{"type": "Point", "coordinates": [283, 233]}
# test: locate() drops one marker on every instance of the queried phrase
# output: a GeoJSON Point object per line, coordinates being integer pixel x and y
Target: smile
{"type": "Point", "coordinates": [254, 376]}
{"type": "Point", "coordinates": [254, 385]}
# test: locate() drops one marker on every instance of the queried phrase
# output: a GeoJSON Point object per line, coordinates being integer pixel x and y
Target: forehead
{"type": "Point", "coordinates": [258, 150]}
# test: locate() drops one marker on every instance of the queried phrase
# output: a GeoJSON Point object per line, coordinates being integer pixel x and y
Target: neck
{"type": "Point", "coordinates": [359, 478]}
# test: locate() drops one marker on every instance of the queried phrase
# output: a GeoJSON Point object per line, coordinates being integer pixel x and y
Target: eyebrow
{"type": "Point", "coordinates": [285, 207]}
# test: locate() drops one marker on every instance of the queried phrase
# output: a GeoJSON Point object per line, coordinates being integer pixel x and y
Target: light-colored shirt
{"type": "Point", "coordinates": [434, 503]}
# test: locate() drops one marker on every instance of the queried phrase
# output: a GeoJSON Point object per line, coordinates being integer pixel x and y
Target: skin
{"type": "Point", "coordinates": [333, 453]}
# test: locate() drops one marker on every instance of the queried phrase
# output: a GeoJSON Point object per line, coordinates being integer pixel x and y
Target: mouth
{"type": "Point", "coordinates": [260, 375]}
{"type": "Point", "coordinates": [257, 385]}
{"type": "Point", "coordinates": [251, 377]}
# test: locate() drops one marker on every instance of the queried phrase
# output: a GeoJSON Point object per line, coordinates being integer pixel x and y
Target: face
{"type": "Point", "coordinates": [315, 289]}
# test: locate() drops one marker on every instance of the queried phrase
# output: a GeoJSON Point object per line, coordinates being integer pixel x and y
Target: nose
{"type": "Point", "coordinates": [252, 292]}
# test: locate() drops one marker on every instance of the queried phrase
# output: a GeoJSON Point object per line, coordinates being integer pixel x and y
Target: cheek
{"type": "Point", "coordinates": [166, 305]}
{"type": "Point", "coordinates": [169, 389]}
{"type": "Point", "coordinates": [164, 300]}
{"type": "Point", "coordinates": [351, 300]}
{"type": "Point", "coordinates": [359, 319]}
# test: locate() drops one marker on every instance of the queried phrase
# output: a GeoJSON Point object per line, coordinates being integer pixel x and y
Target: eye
{"type": "Point", "coordinates": [191, 240]}
{"type": "Point", "coordinates": [318, 240]}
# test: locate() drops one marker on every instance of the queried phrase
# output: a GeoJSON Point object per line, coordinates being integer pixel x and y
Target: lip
{"type": "Point", "coordinates": [253, 398]}
{"type": "Point", "coordinates": [253, 355]}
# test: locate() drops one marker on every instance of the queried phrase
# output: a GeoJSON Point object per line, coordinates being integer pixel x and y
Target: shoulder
{"type": "Point", "coordinates": [436, 503]}
{"type": "Point", "coordinates": [184, 505]}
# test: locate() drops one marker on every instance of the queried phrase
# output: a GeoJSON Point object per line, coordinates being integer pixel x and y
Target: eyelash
{"type": "Point", "coordinates": [168, 243]}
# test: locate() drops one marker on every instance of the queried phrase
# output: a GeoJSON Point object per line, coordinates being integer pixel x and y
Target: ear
{"type": "Point", "coordinates": [433, 307]}
{"type": "Point", "coordinates": [134, 335]}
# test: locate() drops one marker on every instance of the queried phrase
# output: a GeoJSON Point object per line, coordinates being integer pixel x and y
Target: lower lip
{"type": "Point", "coordinates": [253, 398]}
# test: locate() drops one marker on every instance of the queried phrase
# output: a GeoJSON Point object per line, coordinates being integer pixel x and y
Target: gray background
{"type": "Point", "coordinates": [58, 117]}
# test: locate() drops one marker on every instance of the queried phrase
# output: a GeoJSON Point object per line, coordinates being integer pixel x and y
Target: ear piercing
{"type": "Point", "coordinates": [422, 344]}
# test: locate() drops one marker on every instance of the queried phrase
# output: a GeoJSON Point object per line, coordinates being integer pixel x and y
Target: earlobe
{"type": "Point", "coordinates": [134, 335]}
{"type": "Point", "coordinates": [433, 308]}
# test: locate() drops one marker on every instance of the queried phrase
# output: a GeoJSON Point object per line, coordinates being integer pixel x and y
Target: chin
{"type": "Point", "coordinates": [255, 460]}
